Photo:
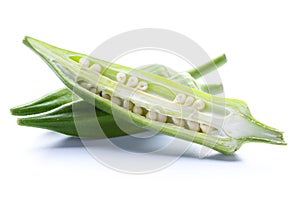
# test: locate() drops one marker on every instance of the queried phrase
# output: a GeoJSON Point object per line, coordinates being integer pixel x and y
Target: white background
{"type": "Point", "coordinates": [261, 40]}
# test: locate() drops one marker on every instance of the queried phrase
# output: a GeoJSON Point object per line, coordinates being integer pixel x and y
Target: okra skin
{"type": "Point", "coordinates": [45, 103]}
{"type": "Point", "coordinates": [68, 117]}
{"type": "Point", "coordinates": [239, 126]}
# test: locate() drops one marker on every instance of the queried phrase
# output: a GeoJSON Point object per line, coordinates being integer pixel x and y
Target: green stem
{"type": "Point", "coordinates": [208, 67]}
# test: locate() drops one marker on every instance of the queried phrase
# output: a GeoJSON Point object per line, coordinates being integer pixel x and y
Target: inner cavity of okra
{"type": "Point", "coordinates": [136, 83]}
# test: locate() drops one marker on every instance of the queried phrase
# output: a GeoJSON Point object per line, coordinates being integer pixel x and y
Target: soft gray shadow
{"type": "Point", "coordinates": [223, 157]}
{"type": "Point", "coordinates": [134, 144]}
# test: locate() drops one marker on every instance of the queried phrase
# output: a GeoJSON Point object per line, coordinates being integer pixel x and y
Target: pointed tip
{"type": "Point", "coordinates": [224, 57]}
{"type": "Point", "coordinates": [12, 111]}
{"type": "Point", "coordinates": [26, 42]}
{"type": "Point", "coordinates": [18, 121]}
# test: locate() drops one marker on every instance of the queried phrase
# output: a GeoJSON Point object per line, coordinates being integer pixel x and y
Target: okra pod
{"type": "Point", "coordinates": [155, 102]}
{"type": "Point", "coordinates": [62, 120]}
{"type": "Point", "coordinates": [45, 103]}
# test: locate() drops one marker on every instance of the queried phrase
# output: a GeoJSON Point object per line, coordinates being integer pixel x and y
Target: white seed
{"type": "Point", "coordinates": [105, 95]}
{"type": "Point", "coordinates": [194, 126]}
{"type": "Point", "coordinates": [86, 85]}
{"type": "Point", "coordinates": [207, 129]}
{"type": "Point", "coordinates": [96, 67]}
{"type": "Point", "coordinates": [178, 121]}
{"type": "Point", "coordinates": [132, 81]}
{"type": "Point", "coordinates": [161, 118]}
{"type": "Point", "coordinates": [152, 115]}
{"type": "Point", "coordinates": [128, 104]}
{"type": "Point", "coordinates": [142, 85]}
{"type": "Point", "coordinates": [189, 101]}
{"type": "Point", "coordinates": [199, 104]}
{"type": "Point", "coordinates": [84, 62]}
{"type": "Point", "coordinates": [94, 90]}
{"type": "Point", "coordinates": [116, 100]}
{"type": "Point", "coordinates": [138, 110]}
{"type": "Point", "coordinates": [180, 98]}
{"type": "Point", "coordinates": [121, 77]}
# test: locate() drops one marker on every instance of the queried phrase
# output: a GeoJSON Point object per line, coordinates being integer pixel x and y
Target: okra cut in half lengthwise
{"type": "Point", "coordinates": [155, 102]}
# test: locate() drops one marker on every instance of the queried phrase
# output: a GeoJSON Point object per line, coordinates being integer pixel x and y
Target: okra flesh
{"type": "Point", "coordinates": [230, 118]}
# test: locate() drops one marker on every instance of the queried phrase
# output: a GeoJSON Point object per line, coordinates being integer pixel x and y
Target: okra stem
{"type": "Point", "coordinates": [208, 67]}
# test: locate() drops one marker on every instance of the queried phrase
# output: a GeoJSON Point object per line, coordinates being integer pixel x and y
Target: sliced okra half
{"type": "Point", "coordinates": [155, 102]}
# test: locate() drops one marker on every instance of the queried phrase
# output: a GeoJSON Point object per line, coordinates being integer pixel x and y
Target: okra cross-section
{"type": "Point", "coordinates": [155, 102]}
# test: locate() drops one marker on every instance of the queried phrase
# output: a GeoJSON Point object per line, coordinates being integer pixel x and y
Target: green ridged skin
{"type": "Point", "coordinates": [62, 120]}
{"type": "Point", "coordinates": [231, 117]}
{"type": "Point", "coordinates": [45, 103]}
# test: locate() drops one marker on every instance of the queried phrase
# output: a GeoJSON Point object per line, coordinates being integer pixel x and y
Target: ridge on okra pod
{"type": "Point", "coordinates": [156, 102]}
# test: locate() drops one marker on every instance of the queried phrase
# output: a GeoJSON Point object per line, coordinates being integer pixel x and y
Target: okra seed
{"type": "Point", "coordinates": [194, 126]}
{"type": "Point", "coordinates": [189, 101]}
{"type": "Point", "coordinates": [96, 68]}
{"type": "Point", "coordinates": [84, 62]}
{"type": "Point", "coordinates": [138, 110]}
{"type": "Point", "coordinates": [199, 104]}
{"type": "Point", "coordinates": [105, 95]}
{"type": "Point", "coordinates": [180, 98]}
{"type": "Point", "coordinates": [152, 115]}
{"type": "Point", "coordinates": [86, 85]}
{"type": "Point", "coordinates": [178, 121]}
{"type": "Point", "coordinates": [161, 118]}
{"type": "Point", "coordinates": [206, 129]}
{"type": "Point", "coordinates": [132, 81]}
{"type": "Point", "coordinates": [121, 77]}
{"type": "Point", "coordinates": [94, 90]}
{"type": "Point", "coordinates": [128, 104]}
{"type": "Point", "coordinates": [116, 100]}
{"type": "Point", "coordinates": [142, 85]}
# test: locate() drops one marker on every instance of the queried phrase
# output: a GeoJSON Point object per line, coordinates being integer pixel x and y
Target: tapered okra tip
{"type": "Point", "coordinates": [15, 111]}
{"type": "Point", "coordinates": [12, 111]}
{"type": "Point", "coordinates": [26, 42]}
{"type": "Point", "coordinates": [20, 122]}
{"type": "Point", "coordinates": [224, 57]}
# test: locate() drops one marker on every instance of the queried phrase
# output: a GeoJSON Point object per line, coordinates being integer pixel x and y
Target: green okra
{"type": "Point", "coordinates": [155, 102]}
{"type": "Point", "coordinates": [62, 120]}
{"type": "Point", "coordinates": [45, 103]}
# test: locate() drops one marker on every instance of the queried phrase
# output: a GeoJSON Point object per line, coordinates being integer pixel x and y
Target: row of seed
{"type": "Point", "coordinates": [152, 115]}
{"type": "Point", "coordinates": [132, 81]}
{"type": "Point", "coordinates": [189, 101]}
{"type": "Point", "coordinates": [84, 62]}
